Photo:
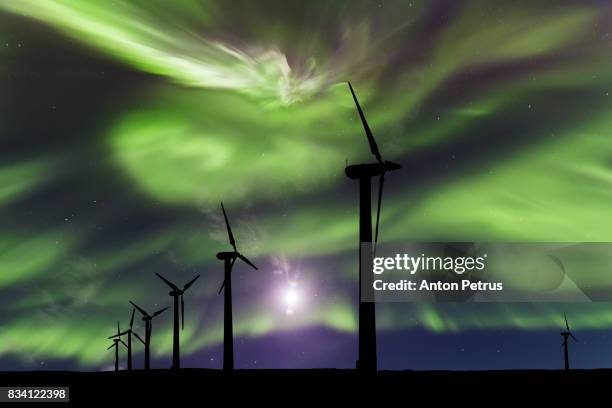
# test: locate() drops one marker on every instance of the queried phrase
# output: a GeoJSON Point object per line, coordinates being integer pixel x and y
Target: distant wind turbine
{"type": "Point", "coordinates": [148, 329]}
{"type": "Point", "coordinates": [129, 341]}
{"type": "Point", "coordinates": [567, 333]}
{"type": "Point", "coordinates": [177, 293]}
{"type": "Point", "coordinates": [116, 341]}
{"type": "Point", "coordinates": [228, 259]}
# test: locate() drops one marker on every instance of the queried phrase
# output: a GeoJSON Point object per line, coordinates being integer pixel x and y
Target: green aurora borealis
{"type": "Point", "coordinates": [499, 112]}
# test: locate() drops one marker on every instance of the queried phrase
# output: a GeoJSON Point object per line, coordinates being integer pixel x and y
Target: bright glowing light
{"type": "Point", "coordinates": [291, 298]}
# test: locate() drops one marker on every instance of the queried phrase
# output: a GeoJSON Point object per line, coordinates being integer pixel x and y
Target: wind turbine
{"type": "Point", "coordinates": [228, 259]}
{"type": "Point", "coordinates": [364, 173]}
{"type": "Point", "coordinates": [129, 340]}
{"type": "Point", "coordinates": [176, 293]}
{"type": "Point", "coordinates": [148, 328]}
{"type": "Point", "coordinates": [116, 341]}
{"type": "Point", "coordinates": [567, 333]}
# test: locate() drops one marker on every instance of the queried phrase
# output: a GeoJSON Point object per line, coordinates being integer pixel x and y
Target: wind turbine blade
{"type": "Point", "coordinates": [566, 323]}
{"type": "Point", "coordinates": [118, 329]}
{"type": "Point", "coordinates": [138, 337]}
{"type": "Point", "coordinates": [132, 318]}
{"type": "Point", "coordinates": [244, 258]}
{"type": "Point", "coordinates": [188, 284]}
{"type": "Point", "coordinates": [182, 313]}
{"type": "Point", "coordinates": [221, 288]}
{"type": "Point", "coordinates": [572, 336]}
{"type": "Point", "coordinates": [366, 127]}
{"type": "Point", "coordinates": [381, 183]}
{"type": "Point", "coordinates": [123, 342]}
{"type": "Point", "coordinates": [160, 311]}
{"type": "Point", "coordinates": [172, 285]}
{"type": "Point", "coordinates": [118, 335]}
{"type": "Point", "coordinates": [139, 309]}
{"type": "Point", "coordinates": [111, 346]}
{"type": "Point", "coordinates": [232, 241]}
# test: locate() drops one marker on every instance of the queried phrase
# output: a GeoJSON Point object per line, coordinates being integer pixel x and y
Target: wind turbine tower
{"type": "Point", "coordinates": [177, 293]}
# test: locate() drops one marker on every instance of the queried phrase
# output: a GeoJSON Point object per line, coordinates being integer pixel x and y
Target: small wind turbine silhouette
{"type": "Point", "coordinates": [228, 259]}
{"type": "Point", "coordinates": [148, 328]}
{"type": "Point", "coordinates": [129, 341]}
{"type": "Point", "coordinates": [116, 341]}
{"type": "Point", "coordinates": [176, 293]}
{"type": "Point", "coordinates": [567, 333]}
{"type": "Point", "coordinates": [364, 173]}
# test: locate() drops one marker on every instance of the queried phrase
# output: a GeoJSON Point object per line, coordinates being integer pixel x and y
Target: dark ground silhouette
{"type": "Point", "coordinates": [201, 387]}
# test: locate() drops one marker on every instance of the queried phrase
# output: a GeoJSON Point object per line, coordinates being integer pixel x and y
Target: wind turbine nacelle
{"type": "Point", "coordinates": [226, 255]}
{"type": "Point", "coordinates": [359, 171]}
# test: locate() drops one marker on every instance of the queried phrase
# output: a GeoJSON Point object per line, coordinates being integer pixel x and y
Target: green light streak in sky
{"type": "Point", "coordinates": [45, 337]}
{"type": "Point", "coordinates": [556, 192]}
{"type": "Point", "coordinates": [25, 257]}
{"type": "Point", "coordinates": [170, 147]}
{"type": "Point", "coordinates": [133, 33]}
{"type": "Point", "coordinates": [17, 180]}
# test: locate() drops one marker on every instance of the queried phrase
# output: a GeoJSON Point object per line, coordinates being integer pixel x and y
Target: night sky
{"type": "Point", "coordinates": [125, 123]}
